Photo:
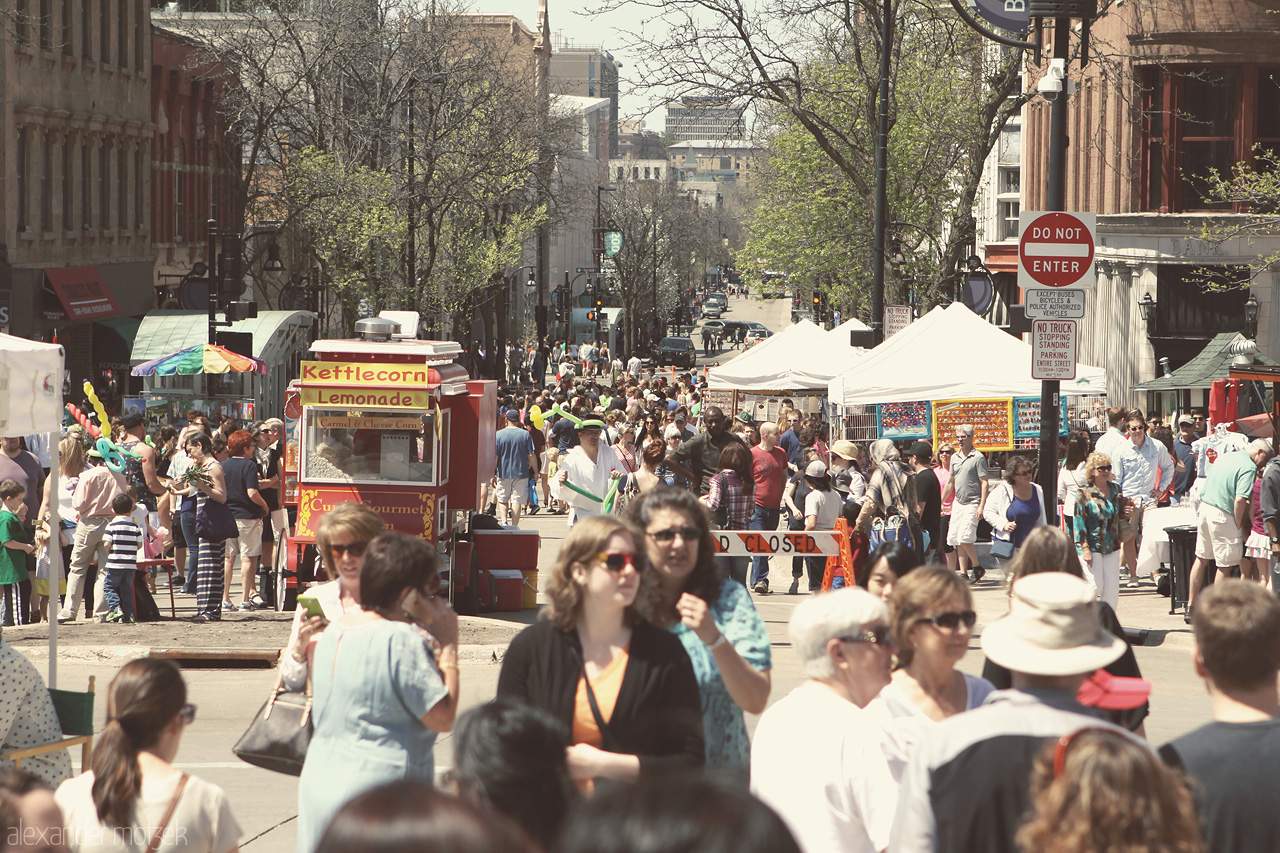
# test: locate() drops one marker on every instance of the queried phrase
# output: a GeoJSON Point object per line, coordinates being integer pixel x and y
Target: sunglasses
{"type": "Point", "coordinates": [617, 562]}
{"type": "Point", "coordinates": [951, 620]}
{"type": "Point", "coordinates": [1103, 468]}
{"type": "Point", "coordinates": [688, 534]}
{"type": "Point", "coordinates": [1022, 473]}
{"type": "Point", "coordinates": [355, 549]}
{"type": "Point", "coordinates": [187, 713]}
{"type": "Point", "coordinates": [1137, 429]}
{"type": "Point", "coordinates": [877, 636]}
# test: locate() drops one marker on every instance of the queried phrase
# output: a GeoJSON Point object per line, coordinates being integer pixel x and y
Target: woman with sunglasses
{"type": "Point", "coordinates": [624, 688]}
{"type": "Point", "coordinates": [932, 618]}
{"type": "Point", "coordinates": [1096, 527]}
{"type": "Point", "coordinates": [1014, 508]}
{"type": "Point", "coordinates": [382, 694]}
{"type": "Point", "coordinates": [132, 792]}
{"type": "Point", "coordinates": [341, 538]}
{"type": "Point", "coordinates": [712, 615]}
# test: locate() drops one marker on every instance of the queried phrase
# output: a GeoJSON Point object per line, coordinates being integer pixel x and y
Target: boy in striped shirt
{"type": "Point", "coordinates": [122, 537]}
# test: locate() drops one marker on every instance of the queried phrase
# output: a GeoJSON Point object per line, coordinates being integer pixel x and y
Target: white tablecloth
{"type": "Point", "coordinates": [1155, 542]}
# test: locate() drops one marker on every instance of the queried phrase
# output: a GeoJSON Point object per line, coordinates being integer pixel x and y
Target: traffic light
{"type": "Point", "coordinates": [592, 316]}
{"type": "Point", "coordinates": [599, 301]}
{"type": "Point", "coordinates": [817, 301]}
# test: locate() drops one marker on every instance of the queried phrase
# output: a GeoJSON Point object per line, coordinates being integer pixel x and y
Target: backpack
{"type": "Point", "coordinates": [894, 526]}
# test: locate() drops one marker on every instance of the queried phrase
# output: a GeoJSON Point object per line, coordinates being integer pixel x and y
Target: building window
{"type": "Point", "coordinates": [122, 187]}
{"type": "Point", "coordinates": [137, 188]}
{"type": "Point", "coordinates": [20, 164]}
{"type": "Point", "coordinates": [1202, 120]}
{"type": "Point", "coordinates": [68, 182]}
{"type": "Point", "coordinates": [46, 184]}
{"type": "Point", "coordinates": [104, 196]}
{"type": "Point", "coordinates": [66, 27]}
{"type": "Point", "coordinates": [104, 31]}
{"type": "Point", "coordinates": [46, 25]}
{"type": "Point", "coordinates": [1007, 211]}
{"type": "Point", "coordinates": [86, 184]}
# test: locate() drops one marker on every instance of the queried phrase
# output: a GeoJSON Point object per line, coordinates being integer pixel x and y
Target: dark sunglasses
{"type": "Point", "coordinates": [878, 636]}
{"type": "Point", "coordinates": [1137, 429]}
{"type": "Point", "coordinates": [617, 562]}
{"type": "Point", "coordinates": [951, 620]}
{"type": "Point", "coordinates": [688, 534]}
{"type": "Point", "coordinates": [188, 713]}
{"type": "Point", "coordinates": [355, 549]}
{"type": "Point", "coordinates": [1103, 468]}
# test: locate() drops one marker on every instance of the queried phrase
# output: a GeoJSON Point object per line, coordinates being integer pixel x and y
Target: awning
{"type": "Point", "coordinates": [82, 294]}
{"type": "Point", "coordinates": [1002, 257]}
{"type": "Point", "coordinates": [113, 342]}
{"type": "Point", "coordinates": [276, 334]}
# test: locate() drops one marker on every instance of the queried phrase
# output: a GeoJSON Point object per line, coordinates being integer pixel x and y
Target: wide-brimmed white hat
{"type": "Point", "coordinates": [1052, 628]}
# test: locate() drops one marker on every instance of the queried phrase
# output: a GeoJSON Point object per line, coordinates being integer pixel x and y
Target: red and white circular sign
{"type": "Point", "coordinates": [1056, 249]}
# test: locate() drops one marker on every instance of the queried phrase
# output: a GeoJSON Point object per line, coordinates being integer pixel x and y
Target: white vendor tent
{"type": "Point", "coordinates": [950, 354]}
{"type": "Point", "coordinates": [31, 402]}
{"type": "Point", "coordinates": [766, 366]}
{"type": "Point", "coordinates": [800, 357]}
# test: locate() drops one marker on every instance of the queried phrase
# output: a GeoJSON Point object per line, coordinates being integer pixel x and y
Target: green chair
{"type": "Point", "coordinates": [75, 716]}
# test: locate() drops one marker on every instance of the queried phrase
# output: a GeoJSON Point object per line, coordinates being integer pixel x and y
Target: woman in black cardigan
{"type": "Point", "coordinates": [624, 688]}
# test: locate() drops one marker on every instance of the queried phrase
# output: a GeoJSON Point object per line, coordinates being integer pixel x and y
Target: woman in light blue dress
{"type": "Point", "coordinates": [712, 615]}
{"type": "Point", "coordinates": [381, 695]}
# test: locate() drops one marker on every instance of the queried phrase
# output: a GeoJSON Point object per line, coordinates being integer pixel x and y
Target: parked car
{"type": "Point", "coordinates": [712, 310]}
{"type": "Point", "coordinates": [676, 351]}
{"type": "Point", "coordinates": [714, 325]}
{"type": "Point", "coordinates": [755, 336]}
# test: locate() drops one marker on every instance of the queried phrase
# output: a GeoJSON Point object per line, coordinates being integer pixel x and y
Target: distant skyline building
{"type": "Point", "coordinates": [587, 72]}
{"type": "Point", "coordinates": [705, 118]}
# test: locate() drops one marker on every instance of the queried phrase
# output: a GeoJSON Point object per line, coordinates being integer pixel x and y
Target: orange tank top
{"type": "Point", "coordinates": [605, 686]}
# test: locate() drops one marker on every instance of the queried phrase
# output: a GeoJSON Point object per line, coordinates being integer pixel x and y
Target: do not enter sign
{"type": "Point", "coordinates": [1056, 249]}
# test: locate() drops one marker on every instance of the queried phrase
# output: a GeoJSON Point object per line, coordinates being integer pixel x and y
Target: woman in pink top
{"type": "Point", "coordinates": [942, 470]}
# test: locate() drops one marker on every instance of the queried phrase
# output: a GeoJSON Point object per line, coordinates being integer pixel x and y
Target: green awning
{"type": "Point", "coordinates": [1213, 362]}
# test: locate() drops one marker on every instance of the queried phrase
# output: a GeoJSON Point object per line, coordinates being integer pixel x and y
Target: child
{"type": "Point", "coordinates": [122, 537]}
{"type": "Point", "coordinates": [13, 562]}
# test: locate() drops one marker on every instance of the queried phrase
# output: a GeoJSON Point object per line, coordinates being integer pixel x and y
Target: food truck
{"type": "Point", "coordinates": [393, 422]}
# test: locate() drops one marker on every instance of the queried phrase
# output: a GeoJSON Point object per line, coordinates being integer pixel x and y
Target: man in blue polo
{"type": "Point", "coordinates": [516, 459]}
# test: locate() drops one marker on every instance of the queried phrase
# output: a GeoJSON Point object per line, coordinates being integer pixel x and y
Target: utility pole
{"type": "Point", "coordinates": [882, 176]}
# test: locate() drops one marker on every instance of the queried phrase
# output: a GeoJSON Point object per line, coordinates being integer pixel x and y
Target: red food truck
{"type": "Point", "coordinates": [394, 422]}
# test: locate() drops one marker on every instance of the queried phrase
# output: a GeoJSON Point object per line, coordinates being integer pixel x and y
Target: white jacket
{"type": "Point", "coordinates": [998, 500]}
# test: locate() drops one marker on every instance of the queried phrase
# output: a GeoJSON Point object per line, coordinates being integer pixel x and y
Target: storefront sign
{"type": "Point", "coordinates": [368, 398]}
{"type": "Point", "coordinates": [374, 423]}
{"type": "Point", "coordinates": [410, 511]}
{"type": "Point", "coordinates": [992, 422]}
{"type": "Point", "coordinates": [380, 375]}
{"type": "Point", "coordinates": [82, 294]}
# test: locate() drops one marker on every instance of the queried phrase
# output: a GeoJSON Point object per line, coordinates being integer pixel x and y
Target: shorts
{"type": "Point", "coordinates": [1217, 537]}
{"type": "Point", "coordinates": [249, 541]}
{"type": "Point", "coordinates": [1258, 546]}
{"type": "Point", "coordinates": [544, 463]}
{"type": "Point", "coordinates": [513, 490]}
{"type": "Point", "coordinates": [964, 525]}
{"type": "Point", "coordinates": [179, 539]}
{"type": "Point", "coordinates": [1131, 528]}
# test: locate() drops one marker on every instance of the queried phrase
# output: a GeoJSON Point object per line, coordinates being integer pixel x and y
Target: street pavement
{"type": "Point", "coordinates": [265, 803]}
{"type": "Point", "coordinates": [775, 314]}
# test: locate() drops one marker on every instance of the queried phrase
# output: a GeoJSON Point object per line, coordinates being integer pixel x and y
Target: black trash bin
{"type": "Point", "coordinates": [1182, 552]}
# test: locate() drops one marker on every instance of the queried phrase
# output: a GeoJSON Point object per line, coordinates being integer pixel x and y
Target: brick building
{"type": "Point", "coordinates": [1184, 86]}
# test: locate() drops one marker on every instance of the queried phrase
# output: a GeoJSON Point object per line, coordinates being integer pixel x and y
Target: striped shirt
{"type": "Point", "coordinates": [126, 538]}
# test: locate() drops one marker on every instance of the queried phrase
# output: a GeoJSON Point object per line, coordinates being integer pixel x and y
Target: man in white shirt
{"type": "Point", "coordinates": [1115, 437]}
{"type": "Point", "coordinates": [634, 365]}
{"type": "Point", "coordinates": [591, 466]}
{"type": "Point", "coordinates": [831, 783]}
{"type": "Point", "coordinates": [1143, 470]}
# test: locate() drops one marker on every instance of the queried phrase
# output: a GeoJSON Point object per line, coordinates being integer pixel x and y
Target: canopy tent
{"type": "Point", "coordinates": [853, 324]}
{"type": "Point", "coordinates": [31, 402]}
{"type": "Point", "coordinates": [950, 354]}
{"type": "Point", "coordinates": [768, 365]}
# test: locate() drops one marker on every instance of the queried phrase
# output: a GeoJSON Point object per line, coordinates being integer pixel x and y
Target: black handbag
{"type": "Point", "coordinates": [215, 523]}
{"type": "Point", "coordinates": [278, 737]}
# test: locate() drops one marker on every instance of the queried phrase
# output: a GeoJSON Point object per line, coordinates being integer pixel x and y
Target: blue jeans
{"type": "Point", "coordinates": [762, 518]}
{"type": "Point", "coordinates": [117, 591]}
{"type": "Point", "coordinates": [188, 521]}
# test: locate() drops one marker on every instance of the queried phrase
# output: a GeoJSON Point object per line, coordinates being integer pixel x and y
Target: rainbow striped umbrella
{"type": "Point", "coordinates": [201, 358]}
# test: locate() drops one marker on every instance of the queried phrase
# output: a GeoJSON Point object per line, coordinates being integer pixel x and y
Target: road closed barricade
{"type": "Point", "coordinates": [784, 543]}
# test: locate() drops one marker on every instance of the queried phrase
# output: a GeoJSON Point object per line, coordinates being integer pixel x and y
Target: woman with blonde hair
{"type": "Point", "coordinates": [342, 536]}
{"type": "Point", "coordinates": [1099, 791]}
{"type": "Point", "coordinates": [71, 465]}
{"type": "Point", "coordinates": [132, 793]}
{"type": "Point", "coordinates": [624, 688]}
{"type": "Point", "coordinates": [932, 620]}
{"type": "Point", "coordinates": [1096, 527]}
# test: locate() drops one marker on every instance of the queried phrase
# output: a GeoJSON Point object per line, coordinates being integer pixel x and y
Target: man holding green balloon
{"type": "Point", "coordinates": [587, 472]}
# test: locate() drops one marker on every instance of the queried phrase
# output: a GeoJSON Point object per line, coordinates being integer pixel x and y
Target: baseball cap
{"type": "Point", "coordinates": [816, 469]}
{"type": "Point", "coordinates": [513, 415]}
{"type": "Point", "coordinates": [1186, 419]}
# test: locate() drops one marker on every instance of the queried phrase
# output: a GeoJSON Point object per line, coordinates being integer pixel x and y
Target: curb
{"type": "Point", "coordinates": [120, 655]}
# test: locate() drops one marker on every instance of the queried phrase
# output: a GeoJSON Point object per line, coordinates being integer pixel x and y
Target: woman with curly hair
{"type": "Point", "coordinates": [711, 614]}
{"type": "Point", "coordinates": [624, 688]}
{"type": "Point", "coordinates": [1098, 791]}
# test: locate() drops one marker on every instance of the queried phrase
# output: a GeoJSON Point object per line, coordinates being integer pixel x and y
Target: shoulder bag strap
{"type": "Point", "coordinates": [168, 815]}
{"type": "Point", "coordinates": [606, 737]}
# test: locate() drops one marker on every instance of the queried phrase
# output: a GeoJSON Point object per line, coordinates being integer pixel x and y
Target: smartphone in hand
{"type": "Point", "coordinates": [310, 605]}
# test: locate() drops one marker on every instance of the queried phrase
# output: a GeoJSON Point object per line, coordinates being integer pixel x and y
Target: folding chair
{"type": "Point", "coordinates": [75, 716]}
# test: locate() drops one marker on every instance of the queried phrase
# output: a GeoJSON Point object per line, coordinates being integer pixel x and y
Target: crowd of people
{"type": "Point", "coordinates": [113, 517]}
{"type": "Point", "coordinates": [620, 722]}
